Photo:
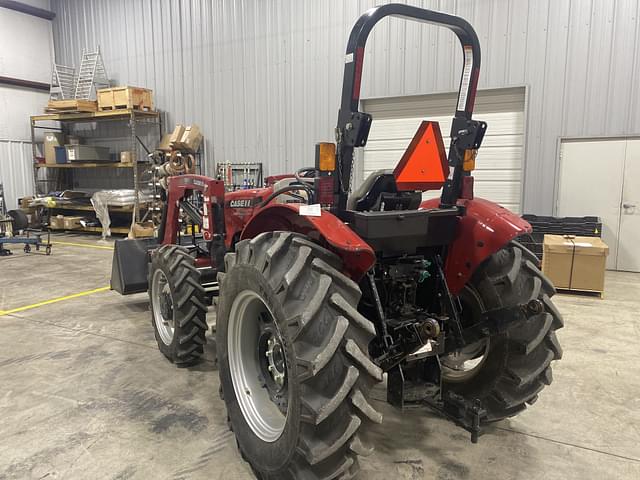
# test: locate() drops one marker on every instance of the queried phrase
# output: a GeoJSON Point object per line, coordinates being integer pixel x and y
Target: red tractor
{"type": "Point", "coordinates": [322, 292]}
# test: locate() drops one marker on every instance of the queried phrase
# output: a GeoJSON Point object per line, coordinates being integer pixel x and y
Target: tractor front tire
{"type": "Point", "coordinates": [512, 367]}
{"type": "Point", "coordinates": [178, 309]}
{"type": "Point", "coordinates": [293, 359]}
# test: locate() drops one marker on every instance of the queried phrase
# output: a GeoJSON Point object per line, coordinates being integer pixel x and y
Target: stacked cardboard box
{"type": "Point", "coordinates": [127, 156]}
{"type": "Point", "coordinates": [65, 222]}
{"type": "Point", "coordinates": [57, 222]}
{"type": "Point", "coordinates": [52, 140]}
{"type": "Point", "coordinates": [72, 222]}
{"type": "Point", "coordinates": [575, 263]}
{"type": "Point", "coordinates": [184, 138]}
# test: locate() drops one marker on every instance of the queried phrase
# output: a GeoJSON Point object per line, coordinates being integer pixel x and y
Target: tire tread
{"type": "Point", "coordinates": [329, 336]}
{"type": "Point", "coordinates": [191, 310]}
{"type": "Point", "coordinates": [510, 278]}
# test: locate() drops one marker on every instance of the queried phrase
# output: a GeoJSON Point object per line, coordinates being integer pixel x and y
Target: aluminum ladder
{"type": "Point", "coordinates": [91, 74]}
{"type": "Point", "coordinates": [63, 82]}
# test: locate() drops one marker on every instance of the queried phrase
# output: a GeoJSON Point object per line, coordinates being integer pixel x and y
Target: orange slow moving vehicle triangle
{"type": "Point", "coordinates": [423, 165]}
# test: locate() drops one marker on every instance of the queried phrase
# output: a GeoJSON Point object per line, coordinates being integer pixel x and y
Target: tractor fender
{"type": "Point", "coordinates": [483, 229]}
{"type": "Point", "coordinates": [327, 230]}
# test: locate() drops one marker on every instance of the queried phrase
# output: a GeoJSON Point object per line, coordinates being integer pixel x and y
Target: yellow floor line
{"type": "Point", "coordinates": [53, 300]}
{"type": "Point", "coordinates": [88, 245]}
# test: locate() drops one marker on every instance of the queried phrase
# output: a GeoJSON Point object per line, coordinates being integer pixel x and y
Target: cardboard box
{"type": "Point", "coordinates": [127, 156]}
{"type": "Point", "coordinates": [165, 143]}
{"type": "Point", "coordinates": [194, 145]}
{"type": "Point", "coordinates": [191, 138]}
{"type": "Point", "coordinates": [25, 201]}
{"type": "Point", "coordinates": [72, 223]}
{"type": "Point", "coordinates": [575, 263]}
{"type": "Point", "coordinates": [52, 140]}
{"type": "Point", "coordinates": [57, 222]}
{"type": "Point", "coordinates": [176, 135]}
{"type": "Point", "coordinates": [142, 230]}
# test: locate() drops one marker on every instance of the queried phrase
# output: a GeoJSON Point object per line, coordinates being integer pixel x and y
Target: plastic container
{"type": "Point", "coordinates": [61, 155]}
{"type": "Point", "coordinates": [89, 153]}
{"type": "Point", "coordinates": [589, 226]}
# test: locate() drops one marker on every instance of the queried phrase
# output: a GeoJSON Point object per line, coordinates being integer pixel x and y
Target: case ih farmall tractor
{"type": "Point", "coordinates": [317, 304]}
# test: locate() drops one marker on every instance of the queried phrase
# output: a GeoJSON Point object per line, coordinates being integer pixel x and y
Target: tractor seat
{"type": "Point", "coordinates": [380, 192]}
{"type": "Point", "coordinates": [359, 198]}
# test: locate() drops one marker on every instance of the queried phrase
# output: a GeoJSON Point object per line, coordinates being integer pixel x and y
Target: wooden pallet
{"type": "Point", "coordinates": [125, 107]}
{"type": "Point", "coordinates": [71, 106]}
{"type": "Point", "coordinates": [120, 98]}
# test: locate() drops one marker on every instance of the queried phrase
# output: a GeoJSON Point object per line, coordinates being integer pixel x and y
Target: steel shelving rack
{"type": "Point", "coordinates": [135, 121]}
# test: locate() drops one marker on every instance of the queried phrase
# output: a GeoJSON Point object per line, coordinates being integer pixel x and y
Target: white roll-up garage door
{"type": "Point", "coordinates": [499, 165]}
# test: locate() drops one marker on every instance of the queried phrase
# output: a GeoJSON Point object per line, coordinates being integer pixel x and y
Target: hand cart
{"type": "Point", "coordinates": [29, 239]}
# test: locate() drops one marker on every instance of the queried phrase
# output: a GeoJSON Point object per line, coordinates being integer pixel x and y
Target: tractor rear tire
{"type": "Point", "coordinates": [19, 220]}
{"type": "Point", "coordinates": [516, 365]}
{"type": "Point", "coordinates": [178, 309]}
{"type": "Point", "coordinates": [299, 417]}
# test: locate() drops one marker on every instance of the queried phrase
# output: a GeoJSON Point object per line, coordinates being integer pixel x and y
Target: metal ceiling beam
{"type": "Point", "coordinates": [28, 9]}
{"type": "Point", "coordinates": [18, 82]}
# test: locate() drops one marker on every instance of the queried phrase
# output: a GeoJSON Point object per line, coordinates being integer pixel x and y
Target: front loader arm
{"type": "Point", "coordinates": [211, 219]}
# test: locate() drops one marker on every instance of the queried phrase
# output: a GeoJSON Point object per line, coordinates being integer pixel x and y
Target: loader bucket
{"type": "Point", "coordinates": [131, 265]}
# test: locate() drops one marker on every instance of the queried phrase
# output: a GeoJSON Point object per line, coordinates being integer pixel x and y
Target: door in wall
{"type": "Point", "coordinates": [498, 174]}
{"type": "Point", "coordinates": [629, 241]}
{"type": "Point", "coordinates": [600, 177]}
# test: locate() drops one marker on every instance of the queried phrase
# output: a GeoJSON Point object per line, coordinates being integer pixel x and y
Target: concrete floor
{"type": "Point", "coordinates": [85, 394]}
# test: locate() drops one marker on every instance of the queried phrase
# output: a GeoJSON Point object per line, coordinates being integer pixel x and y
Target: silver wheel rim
{"type": "Point", "coordinates": [244, 335]}
{"type": "Point", "coordinates": [162, 301]}
{"type": "Point", "coordinates": [463, 364]}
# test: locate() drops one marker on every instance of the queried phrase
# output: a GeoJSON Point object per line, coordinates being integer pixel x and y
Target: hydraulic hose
{"type": "Point", "coordinates": [289, 188]}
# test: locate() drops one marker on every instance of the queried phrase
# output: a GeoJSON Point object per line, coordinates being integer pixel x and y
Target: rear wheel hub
{"type": "Point", "coordinates": [466, 362]}
{"type": "Point", "coordinates": [162, 306]}
{"type": "Point", "coordinates": [258, 366]}
{"type": "Point", "coordinates": [276, 367]}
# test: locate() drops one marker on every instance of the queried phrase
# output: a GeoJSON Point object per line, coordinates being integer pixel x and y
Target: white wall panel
{"type": "Point", "coordinates": [26, 51]}
{"type": "Point", "coordinates": [16, 104]}
{"type": "Point", "coordinates": [498, 175]}
{"type": "Point", "coordinates": [263, 78]}
{"type": "Point", "coordinates": [16, 173]}
{"type": "Point", "coordinates": [26, 46]}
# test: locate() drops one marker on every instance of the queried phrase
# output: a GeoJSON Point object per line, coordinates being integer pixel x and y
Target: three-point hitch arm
{"type": "Point", "coordinates": [353, 126]}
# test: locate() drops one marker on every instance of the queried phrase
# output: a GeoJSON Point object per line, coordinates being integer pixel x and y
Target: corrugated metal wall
{"type": "Point", "coordinates": [16, 172]}
{"type": "Point", "coordinates": [26, 52]}
{"type": "Point", "coordinates": [263, 78]}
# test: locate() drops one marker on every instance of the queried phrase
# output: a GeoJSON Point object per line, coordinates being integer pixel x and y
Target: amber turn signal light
{"type": "Point", "coordinates": [326, 157]}
{"type": "Point", "coordinates": [469, 162]}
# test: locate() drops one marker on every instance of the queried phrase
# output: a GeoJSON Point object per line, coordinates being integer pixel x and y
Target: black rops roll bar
{"type": "Point", "coordinates": [353, 126]}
